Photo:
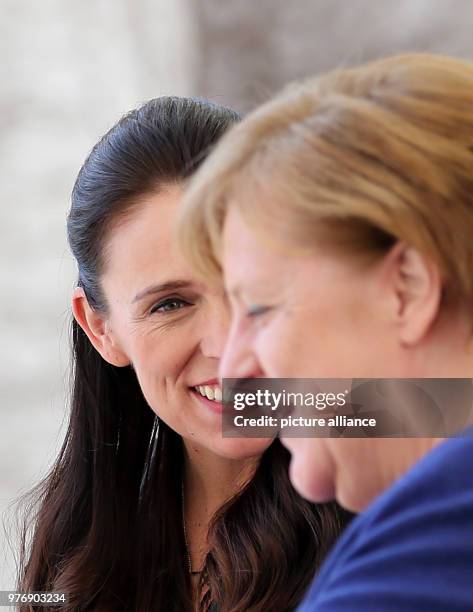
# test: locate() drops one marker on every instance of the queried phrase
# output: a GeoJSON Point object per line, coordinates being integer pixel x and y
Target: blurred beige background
{"type": "Point", "coordinates": [68, 70]}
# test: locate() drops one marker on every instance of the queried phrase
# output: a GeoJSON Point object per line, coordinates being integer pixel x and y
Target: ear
{"type": "Point", "coordinates": [415, 286]}
{"type": "Point", "coordinates": [98, 330]}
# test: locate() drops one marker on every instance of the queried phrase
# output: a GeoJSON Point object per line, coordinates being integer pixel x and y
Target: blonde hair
{"type": "Point", "coordinates": [354, 160]}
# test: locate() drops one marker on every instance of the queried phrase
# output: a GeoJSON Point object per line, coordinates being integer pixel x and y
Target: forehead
{"type": "Point", "coordinates": [259, 260]}
{"type": "Point", "coordinates": [142, 246]}
{"type": "Point", "coordinates": [245, 252]}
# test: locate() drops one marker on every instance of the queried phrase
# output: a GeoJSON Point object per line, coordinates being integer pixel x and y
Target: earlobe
{"type": "Point", "coordinates": [97, 330]}
{"type": "Point", "coordinates": [417, 285]}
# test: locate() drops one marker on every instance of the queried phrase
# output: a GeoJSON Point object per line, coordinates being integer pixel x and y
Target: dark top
{"type": "Point", "coordinates": [412, 550]}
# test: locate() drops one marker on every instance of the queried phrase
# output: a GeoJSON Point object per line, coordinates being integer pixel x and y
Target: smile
{"type": "Point", "coordinates": [211, 392]}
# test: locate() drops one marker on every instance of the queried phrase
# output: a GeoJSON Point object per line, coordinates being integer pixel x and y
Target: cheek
{"type": "Point", "coordinates": [290, 344]}
{"type": "Point", "coordinates": [278, 347]}
{"type": "Point", "coordinates": [159, 361]}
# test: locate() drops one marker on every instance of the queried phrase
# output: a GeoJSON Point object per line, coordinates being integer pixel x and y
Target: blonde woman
{"type": "Point", "coordinates": [341, 214]}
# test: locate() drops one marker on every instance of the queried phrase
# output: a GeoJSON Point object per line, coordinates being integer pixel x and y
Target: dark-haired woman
{"type": "Point", "coordinates": [148, 507]}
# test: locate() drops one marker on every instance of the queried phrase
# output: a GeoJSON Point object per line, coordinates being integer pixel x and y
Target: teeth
{"type": "Point", "coordinates": [213, 393]}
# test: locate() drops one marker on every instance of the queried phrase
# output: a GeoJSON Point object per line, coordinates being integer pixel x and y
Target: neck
{"type": "Point", "coordinates": [211, 480]}
{"type": "Point", "coordinates": [447, 350]}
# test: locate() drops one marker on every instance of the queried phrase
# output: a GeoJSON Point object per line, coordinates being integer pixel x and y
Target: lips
{"type": "Point", "coordinates": [209, 392]}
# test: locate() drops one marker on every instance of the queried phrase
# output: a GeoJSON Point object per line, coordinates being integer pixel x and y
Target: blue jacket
{"type": "Point", "coordinates": [412, 549]}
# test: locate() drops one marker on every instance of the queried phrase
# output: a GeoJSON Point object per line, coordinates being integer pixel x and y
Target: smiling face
{"type": "Point", "coordinates": [299, 315]}
{"type": "Point", "coordinates": [326, 316]}
{"type": "Point", "coordinates": [168, 325]}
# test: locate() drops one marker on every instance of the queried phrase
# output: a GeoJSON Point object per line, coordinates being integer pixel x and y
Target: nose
{"type": "Point", "coordinates": [215, 327]}
{"type": "Point", "coordinates": [238, 359]}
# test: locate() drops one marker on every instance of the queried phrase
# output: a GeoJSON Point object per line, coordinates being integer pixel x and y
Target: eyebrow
{"type": "Point", "coordinates": [167, 286]}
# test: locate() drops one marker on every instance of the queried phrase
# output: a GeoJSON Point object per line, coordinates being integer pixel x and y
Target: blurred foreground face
{"type": "Point", "coordinates": [319, 316]}
{"type": "Point", "coordinates": [299, 316]}
{"type": "Point", "coordinates": [352, 257]}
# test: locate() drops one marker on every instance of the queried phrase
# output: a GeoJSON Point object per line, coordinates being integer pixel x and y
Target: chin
{"type": "Point", "coordinates": [355, 496]}
{"type": "Point", "coordinates": [352, 503]}
{"type": "Point", "coordinates": [317, 488]}
{"type": "Point", "coordinates": [242, 448]}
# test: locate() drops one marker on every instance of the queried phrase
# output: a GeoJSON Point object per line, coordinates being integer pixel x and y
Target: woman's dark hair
{"type": "Point", "coordinates": [107, 528]}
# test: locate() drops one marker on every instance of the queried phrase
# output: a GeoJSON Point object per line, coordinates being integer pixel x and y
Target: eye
{"type": "Point", "coordinates": [256, 310]}
{"type": "Point", "coordinates": [169, 305]}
